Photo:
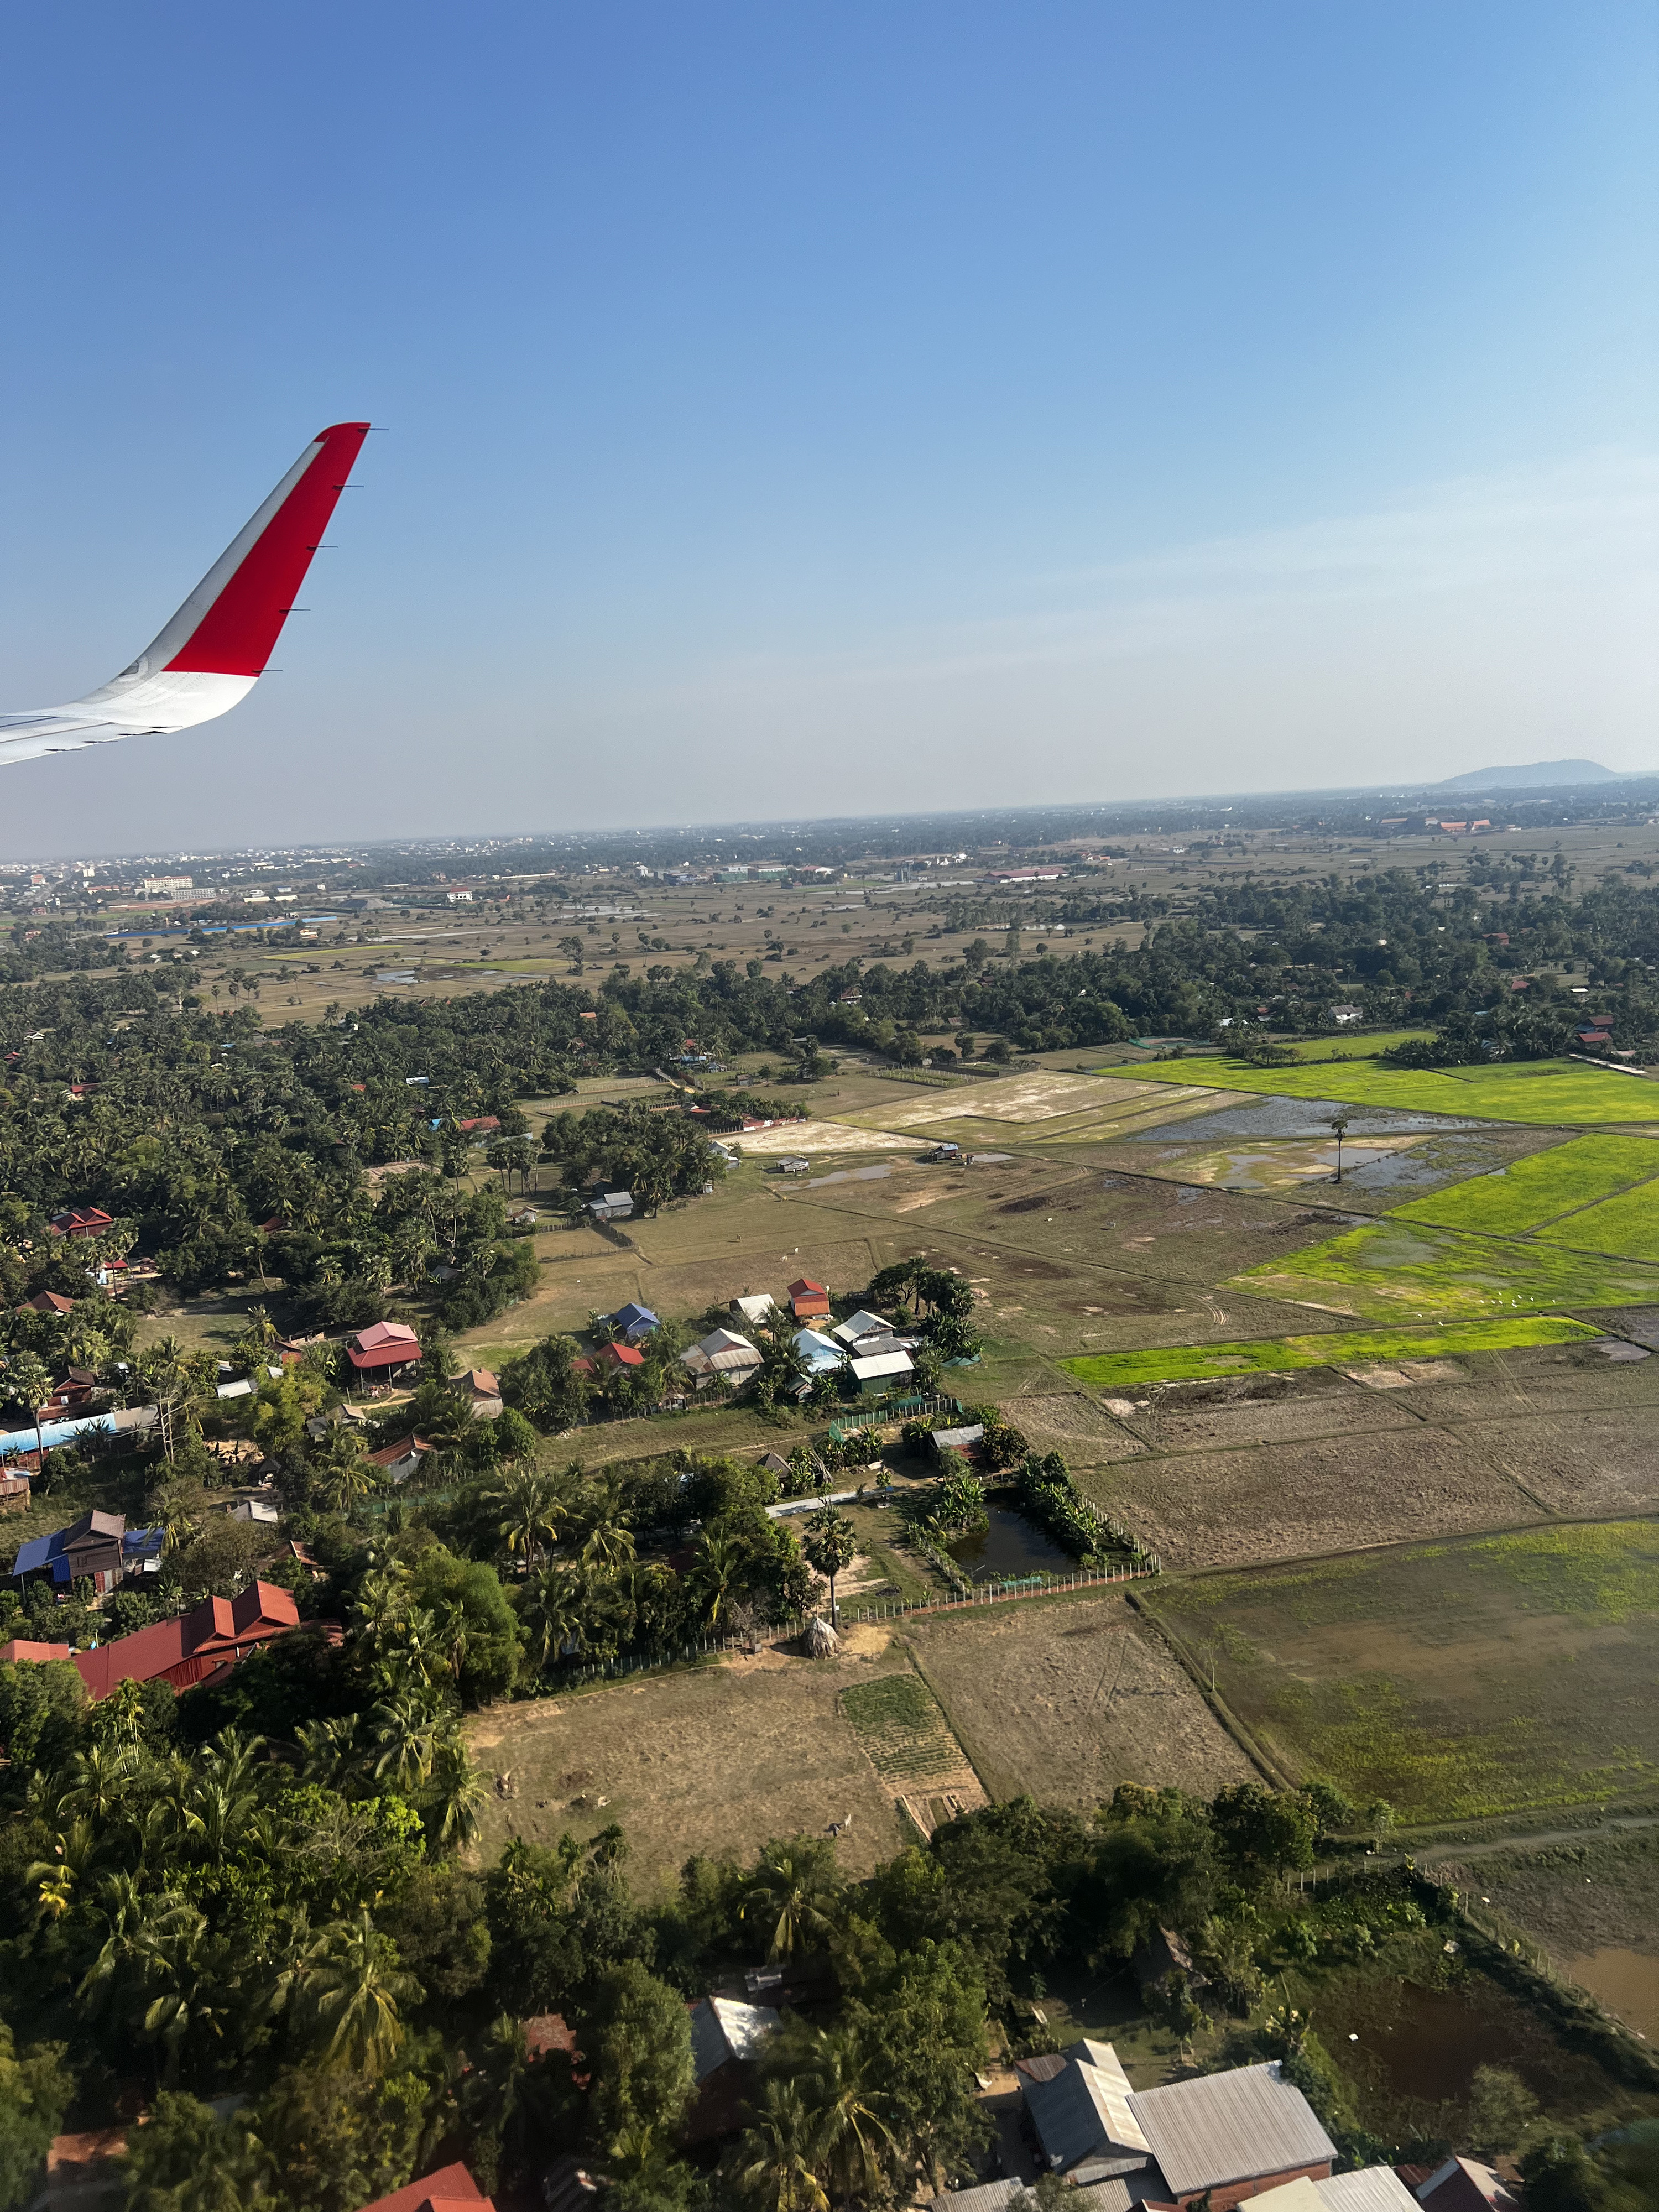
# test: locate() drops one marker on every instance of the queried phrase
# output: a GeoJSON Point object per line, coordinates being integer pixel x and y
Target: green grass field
{"type": "Point", "coordinates": [1393, 1270]}
{"type": "Point", "coordinates": [1351, 1048]}
{"type": "Point", "coordinates": [1539, 1091]}
{"type": "Point", "coordinates": [1454, 1679]}
{"type": "Point", "coordinates": [903, 1727]}
{"type": "Point", "coordinates": [1537, 1189]}
{"type": "Point", "coordinates": [1628, 1225]}
{"type": "Point", "coordinates": [1279, 1355]}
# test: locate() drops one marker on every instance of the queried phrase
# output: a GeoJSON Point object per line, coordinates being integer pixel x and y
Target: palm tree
{"type": "Point", "coordinates": [405, 1730]}
{"type": "Point", "coordinates": [1338, 1124]}
{"type": "Point", "coordinates": [137, 1926]}
{"type": "Point", "coordinates": [830, 1545]}
{"type": "Point", "coordinates": [352, 1989]}
{"type": "Point", "coordinates": [714, 1576]}
{"type": "Point", "coordinates": [791, 1893]}
{"type": "Point", "coordinates": [331, 1753]}
{"type": "Point", "coordinates": [853, 2145]}
{"type": "Point", "coordinates": [454, 1791]}
{"type": "Point", "coordinates": [774, 2157]}
{"type": "Point", "coordinates": [607, 1548]}
{"type": "Point", "coordinates": [533, 1511]}
{"type": "Point", "coordinates": [553, 1613]}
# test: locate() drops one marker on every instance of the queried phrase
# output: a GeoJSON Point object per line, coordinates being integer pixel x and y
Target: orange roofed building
{"type": "Point", "coordinates": [450, 2189]}
{"type": "Point", "coordinates": [809, 1301]}
{"type": "Point", "coordinates": [194, 1646]}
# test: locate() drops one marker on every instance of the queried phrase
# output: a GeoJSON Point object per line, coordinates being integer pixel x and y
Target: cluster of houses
{"type": "Point", "coordinates": [865, 1345]}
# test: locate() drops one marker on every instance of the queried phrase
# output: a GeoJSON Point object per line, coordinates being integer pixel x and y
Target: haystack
{"type": "Point", "coordinates": [821, 1641]}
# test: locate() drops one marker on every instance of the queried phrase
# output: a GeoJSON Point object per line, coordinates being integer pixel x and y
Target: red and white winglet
{"type": "Point", "coordinates": [210, 656]}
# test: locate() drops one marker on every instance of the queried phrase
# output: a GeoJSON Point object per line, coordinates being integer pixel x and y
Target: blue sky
{"type": "Point", "coordinates": [805, 405]}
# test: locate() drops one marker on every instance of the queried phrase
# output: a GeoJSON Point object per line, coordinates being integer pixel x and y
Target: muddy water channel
{"type": "Point", "coordinates": [1010, 1545]}
{"type": "Point", "coordinates": [1626, 1983]}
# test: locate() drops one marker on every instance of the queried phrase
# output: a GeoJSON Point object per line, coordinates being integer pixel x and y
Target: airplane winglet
{"type": "Point", "coordinates": [210, 655]}
{"type": "Point", "coordinates": [232, 620]}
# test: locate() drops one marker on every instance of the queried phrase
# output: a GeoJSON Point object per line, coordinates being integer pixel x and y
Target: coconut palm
{"type": "Point", "coordinates": [774, 2157]}
{"type": "Point", "coordinates": [715, 1577]}
{"type": "Point", "coordinates": [136, 1926]}
{"type": "Point", "coordinates": [553, 1613]}
{"type": "Point", "coordinates": [329, 1751]}
{"type": "Point", "coordinates": [405, 1733]}
{"type": "Point", "coordinates": [454, 1791]}
{"type": "Point", "coordinates": [351, 1990]}
{"type": "Point", "coordinates": [533, 1509]}
{"type": "Point", "coordinates": [853, 2147]}
{"type": "Point", "coordinates": [791, 1894]}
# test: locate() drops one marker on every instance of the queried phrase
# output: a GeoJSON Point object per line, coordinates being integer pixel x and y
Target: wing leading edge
{"type": "Point", "coordinates": [208, 656]}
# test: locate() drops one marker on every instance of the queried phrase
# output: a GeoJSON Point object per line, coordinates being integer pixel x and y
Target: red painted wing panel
{"type": "Point", "coordinates": [235, 636]}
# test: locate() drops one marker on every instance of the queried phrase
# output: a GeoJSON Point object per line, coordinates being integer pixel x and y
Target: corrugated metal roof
{"type": "Point", "coordinates": [1375, 2189]}
{"type": "Point", "coordinates": [1083, 2113]}
{"type": "Point", "coordinates": [989, 2197]}
{"type": "Point", "coordinates": [724, 2028]}
{"type": "Point", "coordinates": [1229, 2127]}
{"type": "Point", "coordinates": [886, 1362]}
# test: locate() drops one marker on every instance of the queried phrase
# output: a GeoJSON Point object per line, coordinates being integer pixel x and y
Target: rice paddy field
{"type": "Point", "coordinates": [1539, 1189]}
{"type": "Point", "coordinates": [1455, 1681]}
{"type": "Point", "coordinates": [1130, 1370]}
{"type": "Point", "coordinates": [1562, 1091]}
{"type": "Point", "coordinates": [1399, 1270]}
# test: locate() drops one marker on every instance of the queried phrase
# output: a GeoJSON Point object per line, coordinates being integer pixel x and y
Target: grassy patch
{"type": "Point", "coordinates": [1538, 1092]}
{"type": "Point", "coordinates": [1534, 1190]}
{"type": "Point", "coordinates": [1457, 1680]}
{"type": "Point", "coordinates": [1399, 1270]}
{"type": "Point", "coordinates": [1627, 1225]}
{"type": "Point", "coordinates": [1118, 1371]}
{"type": "Point", "coordinates": [902, 1726]}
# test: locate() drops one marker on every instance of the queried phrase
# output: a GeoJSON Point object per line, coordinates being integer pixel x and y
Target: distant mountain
{"type": "Point", "coordinates": [1540, 775]}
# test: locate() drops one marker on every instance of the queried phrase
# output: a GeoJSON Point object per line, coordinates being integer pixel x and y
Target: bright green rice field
{"type": "Point", "coordinates": [1537, 1092]}
{"type": "Point", "coordinates": [1272, 1355]}
{"type": "Point", "coordinates": [1393, 1270]}
{"type": "Point", "coordinates": [1533, 1191]}
{"type": "Point", "coordinates": [1628, 1224]}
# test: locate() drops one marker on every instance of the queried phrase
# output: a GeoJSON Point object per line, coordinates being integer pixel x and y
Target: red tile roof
{"type": "Point", "coordinates": [620, 1355]}
{"type": "Point", "coordinates": [807, 1288]}
{"type": "Point", "coordinates": [193, 1645]}
{"type": "Point", "coordinates": [450, 2184]}
{"type": "Point", "coordinates": [21, 1648]}
{"type": "Point", "coordinates": [81, 1221]}
{"type": "Point", "coordinates": [51, 1302]}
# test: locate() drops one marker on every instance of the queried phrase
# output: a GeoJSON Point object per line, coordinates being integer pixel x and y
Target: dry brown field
{"type": "Point", "coordinates": [1065, 1697]}
{"type": "Point", "coordinates": [716, 1761]}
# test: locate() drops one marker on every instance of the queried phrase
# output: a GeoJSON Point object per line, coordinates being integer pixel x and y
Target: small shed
{"type": "Point", "coordinates": [756, 1308]}
{"type": "Point", "coordinates": [613, 1206]}
{"type": "Point", "coordinates": [794, 1164]}
{"type": "Point", "coordinates": [959, 1440]}
{"type": "Point", "coordinates": [727, 2038]}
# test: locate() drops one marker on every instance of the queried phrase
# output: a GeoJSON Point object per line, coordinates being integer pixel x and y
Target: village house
{"type": "Point", "coordinates": [89, 1549]}
{"type": "Point", "coordinates": [822, 1354]}
{"type": "Point", "coordinates": [755, 1309]}
{"type": "Point", "coordinates": [48, 1301]}
{"type": "Point", "coordinates": [1460, 2184]}
{"type": "Point", "coordinates": [880, 1371]}
{"type": "Point", "coordinates": [809, 1301]}
{"type": "Point", "coordinates": [632, 1322]}
{"type": "Point", "coordinates": [82, 1221]}
{"type": "Point", "coordinates": [727, 2038]}
{"type": "Point", "coordinates": [450, 2189]}
{"type": "Point", "coordinates": [482, 1390]}
{"type": "Point", "coordinates": [1220, 2137]}
{"type": "Point", "coordinates": [618, 1359]}
{"type": "Point", "coordinates": [194, 1647]}
{"type": "Point", "coordinates": [401, 1459]}
{"type": "Point", "coordinates": [859, 1325]}
{"type": "Point", "coordinates": [385, 1354]}
{"type": "Point", "coordinates": [723, 1351]}
{"type": "Point", "coordinates": [481, 1126]}
{"type": "Point", "coordinates": [613, 1206]}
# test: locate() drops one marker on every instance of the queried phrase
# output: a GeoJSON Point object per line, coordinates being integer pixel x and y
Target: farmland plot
{"type": "Point", "coordinates": [1454, 1680]}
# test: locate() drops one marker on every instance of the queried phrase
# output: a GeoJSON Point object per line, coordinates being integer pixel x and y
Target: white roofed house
{"type": "Point", "coordinates": [863, 1323]}
{"type": "Point", "coordinates": [722, 1351]}
{"type": "Point", "coordinates": [754, 1307]}
{"type": "Point", "coordinates": [727, 2038]}
{"type": "Point", "coordinates": [881, 1371]}
{"type": "Point", "coordinates": [822, 1355]}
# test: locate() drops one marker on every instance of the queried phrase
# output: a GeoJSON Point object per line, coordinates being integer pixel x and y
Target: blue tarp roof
{"type": "Point", "coordinates": [630, 1315]}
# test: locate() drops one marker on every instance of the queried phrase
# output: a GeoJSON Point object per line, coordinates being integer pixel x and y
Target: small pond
{"type": "Point", "coordinates": [1010, 1545]}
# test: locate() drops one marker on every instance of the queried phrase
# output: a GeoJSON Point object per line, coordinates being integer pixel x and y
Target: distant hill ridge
{"type": "Point", "coordinates": [1539, 775]}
